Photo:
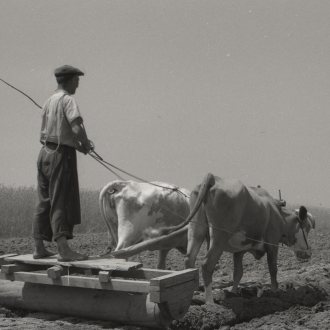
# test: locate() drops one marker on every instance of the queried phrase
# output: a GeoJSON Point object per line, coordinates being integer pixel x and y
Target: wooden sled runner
{"type": "Point", "coordinates": [105, 289]}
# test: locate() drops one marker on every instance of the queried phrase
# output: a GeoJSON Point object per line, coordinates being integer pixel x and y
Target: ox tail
{"type": "Point", "coordinates": [158, 243]}
{"type": "Point", "coordinates": [169, 235]}
{"type": "Point", "coordinates": [205, 186]}
{"type": "Point", "coordinates": [107, 212]}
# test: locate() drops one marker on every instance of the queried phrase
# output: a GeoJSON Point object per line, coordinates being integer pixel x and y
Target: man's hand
{"type": "Point", "coordinates": [82, 143]}
{"type": "Point", "coordinates": [91, 145]}
{"type": "Point", "coordinates": [81, 148]}
{"type": "Point", "coordinates": [86, 147]}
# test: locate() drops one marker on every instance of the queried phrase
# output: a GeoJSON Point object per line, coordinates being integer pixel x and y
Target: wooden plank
{"type": "Point", "coordinates": [11, 268]}
{"type": "Point", "coordinates": [95, 263]}
{"type": "Point", "coordinates": [28, 258]}
{"type": "Point", "coordinates": [136, 272]}
{"type": "Point", "coordinates": [142, 273]}
{"type": "Point", "coordinates": [175, 278]}
{"type": "Point", "coordinates": [181, 291]}
{"type": "Point", "coordinates": [4, 256]}
{"type": "Point", "coordinates": [104, 276]}
{"type": "Point", "coordinates": [136, 286]}
{"type": "Point", "coordinates": [107, 264]}
{"type": "Point", "coordinates": [88, 272]}
{"type": "Point", "coordinates": [55, 272]}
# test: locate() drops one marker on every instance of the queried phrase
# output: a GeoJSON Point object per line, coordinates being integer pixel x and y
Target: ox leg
{"type": "Point", "coordinates": [238, 270]}
{"type": "Point", "coordinates": [162, 259]}
{"type": "Point", "coordinates": [272, 265]}
{"type": "Point", "coordinates": [208, 267]}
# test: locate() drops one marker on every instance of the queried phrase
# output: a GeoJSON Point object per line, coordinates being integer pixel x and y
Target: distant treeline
{"type": "Point", "coordinates": [17, 209]}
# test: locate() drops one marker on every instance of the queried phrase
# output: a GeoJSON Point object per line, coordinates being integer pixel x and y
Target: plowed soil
{"type": "Point", "coordinates": [302, 302]}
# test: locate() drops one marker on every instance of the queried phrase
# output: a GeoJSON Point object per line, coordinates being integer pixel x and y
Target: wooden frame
{"type": "Point", "coordinates": [103, 274]}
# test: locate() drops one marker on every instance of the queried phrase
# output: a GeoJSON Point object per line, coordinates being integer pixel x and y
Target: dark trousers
{"type": "Point", "coordinates": [58, 207]}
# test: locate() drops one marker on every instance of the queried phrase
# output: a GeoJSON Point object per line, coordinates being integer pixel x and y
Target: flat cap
{"type": "Point", "coordinates": [66, 70]}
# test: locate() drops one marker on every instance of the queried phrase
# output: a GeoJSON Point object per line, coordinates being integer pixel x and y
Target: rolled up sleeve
{"type": "Point", "coordinates": [71, 109]}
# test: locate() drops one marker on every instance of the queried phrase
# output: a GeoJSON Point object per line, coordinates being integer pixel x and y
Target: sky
{"type": "Point", "coordinates": [176, 89]}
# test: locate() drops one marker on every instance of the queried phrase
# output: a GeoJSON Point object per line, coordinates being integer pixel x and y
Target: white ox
{"type": "Point", "coordinates": [131, 210]}
{"type": "Point", "coordinates": [236, 219]}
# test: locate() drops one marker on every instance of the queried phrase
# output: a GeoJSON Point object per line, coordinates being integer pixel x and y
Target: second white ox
{"type": "Point", "coordinates": [131, 210]}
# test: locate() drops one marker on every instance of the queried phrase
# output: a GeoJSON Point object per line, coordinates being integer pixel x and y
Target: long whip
{"type": "Point", "coordinates": [30, 98]}
{"type": "Point", "coordinates": [96, 156]}
{"type": "Point", "coordinates": [99, 159]}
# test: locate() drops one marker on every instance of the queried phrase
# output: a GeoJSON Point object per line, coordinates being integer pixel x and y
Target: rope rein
{"type": "Point", "coordinates": [110, 167]}
{"type": "Point", "coordinates": [96, 156]}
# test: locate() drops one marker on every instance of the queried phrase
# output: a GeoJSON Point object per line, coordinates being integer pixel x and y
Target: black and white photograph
{"type": "Point", "coordinates": [165, 164]}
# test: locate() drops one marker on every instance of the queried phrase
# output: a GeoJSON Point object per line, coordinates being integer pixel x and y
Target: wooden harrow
{"type": "Point", "coordinates": [98, 288]}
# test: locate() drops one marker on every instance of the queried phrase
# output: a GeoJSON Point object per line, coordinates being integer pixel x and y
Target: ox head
{"type": "Point", "coordinates": [300, 222]}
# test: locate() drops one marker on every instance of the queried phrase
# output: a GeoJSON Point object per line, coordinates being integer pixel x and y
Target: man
{"type": "Point", "coordinates": [62, 133]}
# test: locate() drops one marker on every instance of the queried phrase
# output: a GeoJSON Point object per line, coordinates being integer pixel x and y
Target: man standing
{"type": "Point", "coordinates": [62, 133]}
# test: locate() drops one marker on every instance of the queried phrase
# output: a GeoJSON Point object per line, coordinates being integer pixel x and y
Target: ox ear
{"type": "Point", "coordinates": [302, 213]}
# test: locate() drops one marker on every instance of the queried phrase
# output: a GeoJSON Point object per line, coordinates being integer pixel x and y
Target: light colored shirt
{"type": "Point", "coordinates": [59, 111]}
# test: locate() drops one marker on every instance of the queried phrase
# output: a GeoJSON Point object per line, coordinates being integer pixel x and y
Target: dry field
{"type": "Point", "coordinates": [301, 303]}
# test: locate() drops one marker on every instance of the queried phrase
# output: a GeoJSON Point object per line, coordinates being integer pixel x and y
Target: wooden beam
{"type": "Point", "coordinates": [88, 272]}
{"type": "Point", "coordinates": [55, 272]}
{"type": "Point", "coordinates": [183, 291]}
{"type": "Point", "coordinates": [119, 267]}
{"type": "Point", "coordinates": [135, 310]}
{"type": "Point", "coordinates": [104, 276]}
{"type": "Point", "coordinates": [174, 278]}
{"type": "Point", "coordinates": [141, 273]}
{"type": "Point", "coordinates": [105, 264]}
{"type": "Point", "coordinates": [11, 268]}
{"type": "Point", "coordinates": [95, 263]}
{"type": "Point", "coordinates": [137, 286]}
{"type": "Point", "coordinates": [4, 256]}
